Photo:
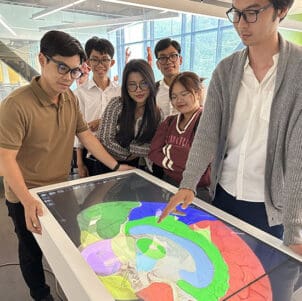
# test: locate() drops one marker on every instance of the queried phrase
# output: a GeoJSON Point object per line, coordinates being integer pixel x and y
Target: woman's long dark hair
{"type": "Point", "coordinates": [151, 117]}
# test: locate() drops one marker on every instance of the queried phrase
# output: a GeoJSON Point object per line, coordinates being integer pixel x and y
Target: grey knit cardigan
{"type": "Point", "coordinates": [283, 170]}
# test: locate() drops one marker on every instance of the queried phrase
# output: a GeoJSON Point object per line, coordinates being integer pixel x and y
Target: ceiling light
{"type": "Point", "coordinates": [132, 3]}
{"type": "Point", "coordinates": [110, 22]}
{"type": "Point", "coordinates": [4, 24]}
{"type": "Point", "coordinates": [221, 3]}
{"type": "Point", "coordinates": [82, 25]}
{"type": "Point", "coordinates": [52, 10]}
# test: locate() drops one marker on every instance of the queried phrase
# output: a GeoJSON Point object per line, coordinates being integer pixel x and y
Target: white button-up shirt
{"type": "Point", "coordinates": [244, 166]}
{"type": "Point", "coordinates": [163, 100]}
{"type": "Point", "coordinates": [93, 100]}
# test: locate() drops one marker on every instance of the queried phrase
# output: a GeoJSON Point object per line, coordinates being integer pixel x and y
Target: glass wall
{"type": "Point", "coordinates": [204, 41]}
{"type": "Point", "coordinates": [18, 62]}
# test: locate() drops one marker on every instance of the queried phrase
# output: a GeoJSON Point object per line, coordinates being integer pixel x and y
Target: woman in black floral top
{"type": "Point", "coordinates": [129, 122]}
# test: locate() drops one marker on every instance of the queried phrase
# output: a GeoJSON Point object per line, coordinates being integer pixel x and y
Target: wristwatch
{"type": "Point", "coordinates": [116, 167]}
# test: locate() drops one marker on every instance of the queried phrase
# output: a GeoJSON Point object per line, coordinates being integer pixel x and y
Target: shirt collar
{"type": "Point", "coordinates": [91, 84]}
{"type": "Point", "coordinates": [162, 83]}
{"type": "Point", "coordinates": [44, 99]}
{"type": "Point", "coordinates": [275, 60]}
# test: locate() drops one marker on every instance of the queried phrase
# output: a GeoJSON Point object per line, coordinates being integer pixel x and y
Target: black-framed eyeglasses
{"type": "Point", "coordinates": [249, 15]}
{"type": "Point", "coordinates": [164, 59]}
{"type": "Point", "coordinates": [132, 86]}
{"type": "Point", "coordinates": [95, 62]}
{"type": "Point", "coordinates": [63, 69]}
{"type": "Point", "coordinates": [181, 95]}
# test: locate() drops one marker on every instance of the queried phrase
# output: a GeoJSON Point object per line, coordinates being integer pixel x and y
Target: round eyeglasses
{"type": "Point", "coordinates": [63, 69]}
{"type": "Point", "coordinates": [249, 15]}
{"type": "Point", "coordinates": [132, 86]}
{"type": "Point", "coordinates": [164, 59]}
{"type": "Point", "coordinates": [95, 62]}
{"type": "Point", "coordinates": [181, 95]}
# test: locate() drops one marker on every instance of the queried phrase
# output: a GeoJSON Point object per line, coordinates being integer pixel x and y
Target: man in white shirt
{"type": "Point", "coordinates": [251, 131]}
{"type": "Point", "coordinates": [95, 94]}
{"type": "Point", "coordinates": [169, 60]}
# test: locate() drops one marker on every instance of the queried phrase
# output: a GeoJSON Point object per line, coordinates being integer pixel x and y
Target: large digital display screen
{"type": "Point", "coordinates": [191, 256]}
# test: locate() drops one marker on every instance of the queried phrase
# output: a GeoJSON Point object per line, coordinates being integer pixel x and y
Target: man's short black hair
{"type": "Point", "coordinates": [164, 44]}
{"type": "Point", "coordinates": [280, 4]}
{"type": "Point", "coordinates": [103, 46]}
{"type": "Point", "coordinates": [56, 42]}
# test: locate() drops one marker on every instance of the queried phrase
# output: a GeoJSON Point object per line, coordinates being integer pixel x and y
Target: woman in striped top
{"type": "Point", "coordinates": [129, 122]}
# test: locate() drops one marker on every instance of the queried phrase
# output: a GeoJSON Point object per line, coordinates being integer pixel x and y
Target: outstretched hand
{"type": "Point", "coordinates": [94, 125]}
{"type": "Point", "coordinates": [183, 196]}
{"type": "Point", "coordinates": [124, 167]}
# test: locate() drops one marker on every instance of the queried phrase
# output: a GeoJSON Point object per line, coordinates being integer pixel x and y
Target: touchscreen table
{"type": "Point", "coordinates": [111, 221]}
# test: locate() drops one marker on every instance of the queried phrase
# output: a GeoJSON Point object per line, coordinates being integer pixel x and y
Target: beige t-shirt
{"type": "Point", "coordinates": [42, 132]}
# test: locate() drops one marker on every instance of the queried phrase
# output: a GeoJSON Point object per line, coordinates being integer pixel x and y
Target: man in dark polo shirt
{"type": "Point", "coordinates": [38, 123]}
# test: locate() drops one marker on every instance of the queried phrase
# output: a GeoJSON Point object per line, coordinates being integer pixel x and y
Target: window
{"type": "Point", "coordinates": [203, 23]}
{"type": "Point", "coordinates": [230, 41]}
{"type": "Point", "coordinates": [204, 40]}
{"type": "Point", "coordinates": [205, 44]}
{"type": "Point", "coordinates": [134, 33]}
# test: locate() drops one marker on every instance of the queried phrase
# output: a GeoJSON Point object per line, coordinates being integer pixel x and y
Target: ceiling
{"type": "Point", "coordinates": [87, 17]}
{"type": "Point", "coordinates": [101, 16]}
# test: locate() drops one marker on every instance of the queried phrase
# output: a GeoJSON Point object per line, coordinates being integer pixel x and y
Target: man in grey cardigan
{"type": "Point", "coordinates": [252, 126]}
{"type": "Point", "coordinates": [251, 130]}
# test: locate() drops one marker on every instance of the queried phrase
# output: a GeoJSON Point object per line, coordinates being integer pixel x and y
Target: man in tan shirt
{"type": "Point", "coordinates": [38, 123]}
